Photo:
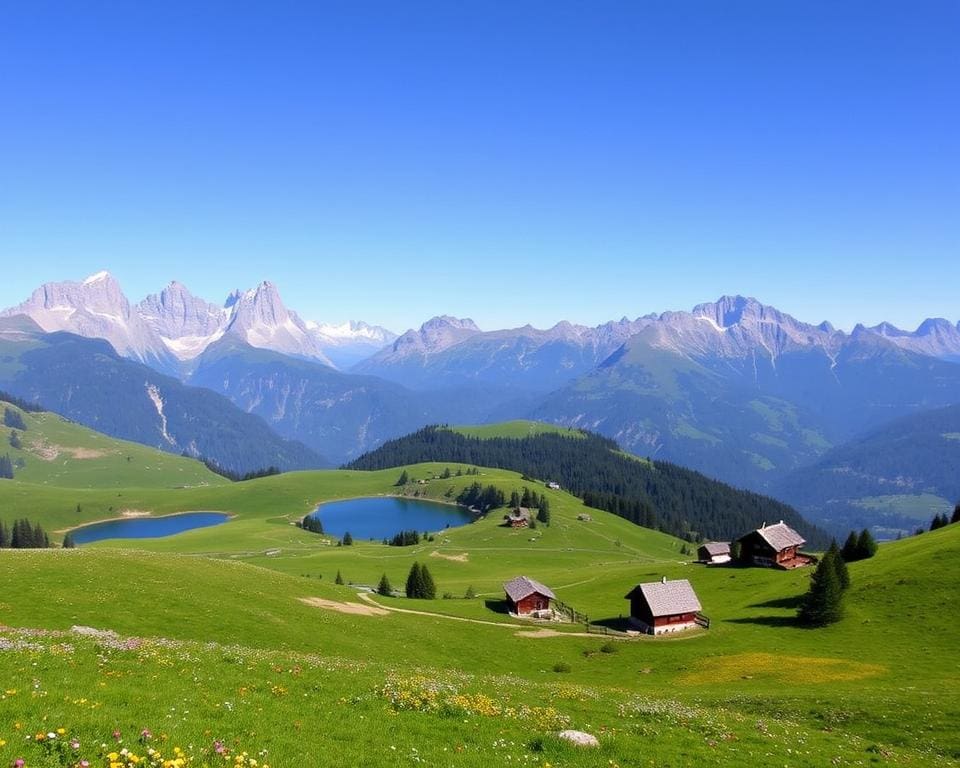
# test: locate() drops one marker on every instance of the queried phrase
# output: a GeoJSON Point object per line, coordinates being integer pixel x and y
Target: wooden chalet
{"type": "Point", "coordinates": [518, 517]}
{"type": "Point", "coordinates": [714, 552]}
{"type": "Point", "coordinates": [527, 597]}
{"type": "Point", "coordinates": [665, 606]}
{"type": "Point", "coordinates": [773, 546]}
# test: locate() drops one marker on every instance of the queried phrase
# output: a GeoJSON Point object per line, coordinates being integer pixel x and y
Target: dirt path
{"type": "Point", "coordinates": [525, 630]}
{"type": "Point", "coordinates": [356, 609]}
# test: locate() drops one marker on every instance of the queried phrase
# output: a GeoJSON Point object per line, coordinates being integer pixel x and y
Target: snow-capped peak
{"type": "Point", "coordinates": [98, 277]}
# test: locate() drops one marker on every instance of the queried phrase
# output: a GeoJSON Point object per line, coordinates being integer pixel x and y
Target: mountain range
{"type": "Point", "coordinates": [734, 388]}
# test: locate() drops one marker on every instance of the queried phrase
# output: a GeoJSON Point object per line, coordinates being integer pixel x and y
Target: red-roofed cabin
{"type": "Point", "coordinates": [526, 597]}
{"type": "Point", "coordinates": [665, 606]}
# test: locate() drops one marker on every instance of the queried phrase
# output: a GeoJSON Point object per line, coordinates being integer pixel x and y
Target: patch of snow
{"type": "Point", "coordinates": [713, 323]}
{"type": "Point", "coordinates": [104, 275]}
{"type": "Point", "coordinates": [189, 347]}
{"type": "Point", "coordinates": [154, 394]}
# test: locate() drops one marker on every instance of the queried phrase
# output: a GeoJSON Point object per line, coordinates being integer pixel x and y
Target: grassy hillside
{"type": "Point", "coordinates": [514, 429]}
{"type": "Point", "coordinates": [654, 494]}
{"type": "Point", "coordinates": [57, 452]}
{"type": "Point", "coordinates": [400, 687]}
{"type": "Point", "coordinates": [244, 622]}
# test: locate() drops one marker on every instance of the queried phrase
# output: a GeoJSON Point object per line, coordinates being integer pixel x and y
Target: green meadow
{"type": "Point", "coordinates": [236, 639]}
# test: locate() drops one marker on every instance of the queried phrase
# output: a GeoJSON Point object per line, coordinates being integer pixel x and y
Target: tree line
{"type": "Point", "coordinates": [237, 477]}
{"type": "Point", "coordinates": [655, 494]}
{"type": "Point", "coordinates": [942, 521]}
{"type": "Point", "coordinates": [24, 535]}
{"type": "Point", "coordinates": [19, 402]}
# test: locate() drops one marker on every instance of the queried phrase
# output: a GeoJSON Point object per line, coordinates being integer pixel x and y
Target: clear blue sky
{"type": "Point", "coordinates": [509, 161]}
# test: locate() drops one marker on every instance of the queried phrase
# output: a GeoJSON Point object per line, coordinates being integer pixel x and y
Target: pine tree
{"type": "Point", "coordinates": [823, 604]}
{"type": "Point", "coordinates": [68, 542]}
{"type": "Point", "coordinates": [403, 479]}
{"type": "Point", "coordinates": [843, 573]}
{"type": "Point", "coordinates": [445, 475]}
{"type": "Point", "coordinates": [6, 468]}
{"type": "Point", "coordinates": [470, 594]}
{"type": "Point", "coordinates": [347, 539]}
{"type": "Point", "coordinates": [339, 579]}
{"type": "Point", "coordinates": [956, 514]}
{"type": "Point", "coordinates": [413, 581]}
{"type": "Point", "coordinates": [850, 549]}
{"type": "Point", "coordinates": [936, 523]}
{"type": "Point", "coordinates": [543, 514]}
{"type": "Point", "coordinates": [4, 536]}
{"type": "Point", "coordinates": [384, 588]}
{"type": "Point", "coordinates": [866, 546]}
{"type": "Point", "coordinates": [15, 441]}
{"type": "Point", "coordinates": [428, 587]}
{"type": "Point", "coordinates": [13, 419]}
{"type": "Point", "coordinates": [514, 500]}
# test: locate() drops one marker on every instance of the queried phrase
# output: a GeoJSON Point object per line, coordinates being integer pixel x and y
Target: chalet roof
{"type": "Point", "coordinates": [716, 547]}
{"type": "Point", "coordinates": [780, 536]}
{"type": "Point", "coordinates": [667, 598]}
{"type": "Point", "coordinates": [522, 587]}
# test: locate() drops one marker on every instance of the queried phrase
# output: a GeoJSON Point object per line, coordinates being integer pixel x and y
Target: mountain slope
{"type": "Point", "coordinates": [893, 479]}
{"type": "Point", "coordinates": [88, 382]}
{"type": "Point", "coordinates": [59, 453]}
{"type": "Point", "coordinates": [653, 494]}
{"type": "Point", "coordinates": [746, 394]}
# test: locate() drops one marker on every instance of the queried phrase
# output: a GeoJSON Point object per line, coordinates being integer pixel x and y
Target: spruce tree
{"type": "Point", "coordinates": [956, 514]}
{"type": "Point", "coordinates": [339, 579]}
{"type": "Point", "coordinates": [850, 548]}
{"type": "Point", "coordinates": [384, 588]}
{"type": "Point", "coordinates": [413, 581]}
{"type": "Point", "coordinates": [403, 479]}
{"type": "Point", "coordinates": [68, 542]}
{"type": "Point", "coordinates": [6, 468]}
{"type": "Point", "coordinates": [347, 539]}
{"type": "Point", "coordinates": [543, 514]}
{"type": "Point", "coordinates": [823, 604]}
{"type": "Point", "coordinates": [4, 536]}
{"type": "Point", "coordinates": [470, 594]}
{"type": "Point", "coordinates": [514, 500]}
{"type": "Point", "coordinates": [15, 441]}
{"type": "Point", "coordinates": [866, 546]}
{"type": "Point", "coordinates": [428, 587]}
{"type": "Point", "coordinates": [843, 573]}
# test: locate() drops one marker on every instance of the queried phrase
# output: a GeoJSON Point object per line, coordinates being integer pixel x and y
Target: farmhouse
{"type": "Point", "coordinates": [526, 597]}
{"type": "Point", "coordinates": [553, 485]}
{"type": "Point", "coordinates": [519, 517]}
{"type": "Point", "coordinates": [714, 552]}
{"type": "Point", "coordinates": [773, 546]}
{"type": "Point", "coordinates": [665, 606]}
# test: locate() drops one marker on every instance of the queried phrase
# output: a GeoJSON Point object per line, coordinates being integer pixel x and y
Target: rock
{"type": "Point", "coordinates": [580, 738]}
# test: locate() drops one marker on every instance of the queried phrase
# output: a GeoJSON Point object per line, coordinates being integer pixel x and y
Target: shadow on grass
{"type": "Point", "coordinates": [619, 624]}
{"type": "Point", "coordinates": [497, 606]}
{"type": "Point", "coordinates": [790, 603]}
{"type": "Point", "coordinates": [769, 621]}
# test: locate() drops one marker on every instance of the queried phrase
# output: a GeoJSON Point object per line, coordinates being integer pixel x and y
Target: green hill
{"type": "Point", "coordinates": [56, 452]}
{"type": "Point", "coordinates": [518, 428]}
{"type": "Point", "coordinates": [753, 688]}
{"type": "Point", "coordinates": [654, 494]}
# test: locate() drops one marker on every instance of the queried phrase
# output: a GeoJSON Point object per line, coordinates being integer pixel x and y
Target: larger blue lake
{"type": "Point", "coordinates": [383, 516]}
{"type": "Point", "coordinates": [146, 527]}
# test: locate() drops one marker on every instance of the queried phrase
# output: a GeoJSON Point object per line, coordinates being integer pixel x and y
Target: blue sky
{"type": "Point", "coordinates": [510, 161]}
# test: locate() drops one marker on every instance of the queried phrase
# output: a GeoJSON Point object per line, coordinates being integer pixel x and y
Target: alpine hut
{"type": "Point", "coordinates": [773, 546]}
{"type": "Point", "coordinates": [665, 606]}
{"type": "Point", "coordinates": [527, 597]}
{"type": "Point", "coordinates": [714, 552]}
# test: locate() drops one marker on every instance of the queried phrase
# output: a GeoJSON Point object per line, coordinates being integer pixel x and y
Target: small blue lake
{"type": "Point", "coordinates": [147, 527]}
{"type": "Point", "coordinates": [383, 516]}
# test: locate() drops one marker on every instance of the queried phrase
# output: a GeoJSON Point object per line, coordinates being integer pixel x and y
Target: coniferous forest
{"type": "Point", "coordinates": [655, 494]}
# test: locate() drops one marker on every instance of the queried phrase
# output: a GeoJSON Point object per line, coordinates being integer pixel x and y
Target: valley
{"type": "Point", "coordinates": [251, 608]}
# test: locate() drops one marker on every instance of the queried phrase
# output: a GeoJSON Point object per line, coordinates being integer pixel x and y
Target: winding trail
{"type": "Point", "coordinates": [524, 630]}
